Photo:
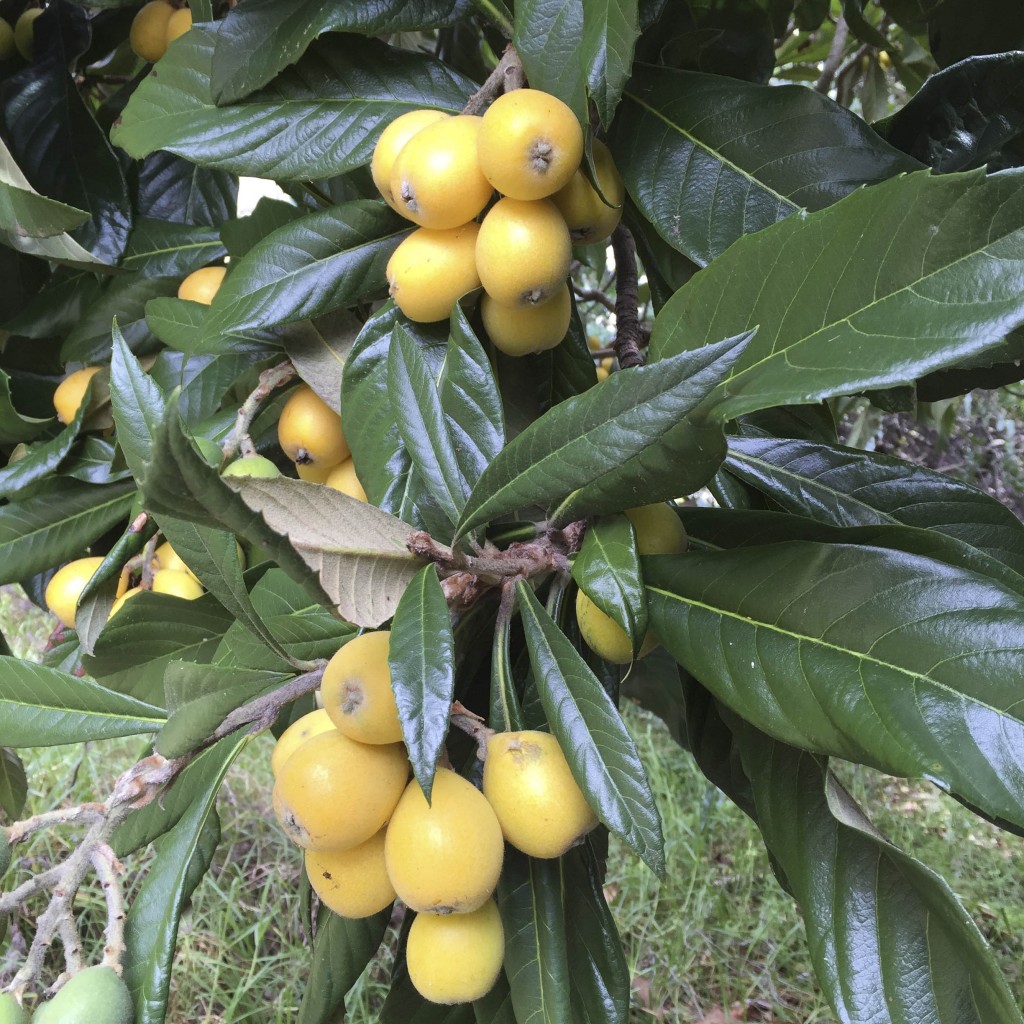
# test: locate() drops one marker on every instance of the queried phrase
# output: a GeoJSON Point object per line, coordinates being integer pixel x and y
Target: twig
{"type": "Point", "coordinates": [72, 943]}
{"type": "Point", "coordinates": [139, 523]}
{"type": "Point", "coordinates": [506, 76]}
{"type": "Point", "coordinates": [108, 870]}
{"type": "Point", "coordinates": [834, 58]}
{"type": "Point", "coordinates": [628, 334]}
{"type": "Point", "coordinates": [239, 438]}
{"type": "Point", "coordinates": [473, 725]}
{"type": "Point", "coordinates": [593, 295]}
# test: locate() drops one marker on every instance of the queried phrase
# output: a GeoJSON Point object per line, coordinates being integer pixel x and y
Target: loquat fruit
{"type": "Point", "coordinates": [343, 478]}
{"type": "Point", "coordinates": [24, 32]}
{"type": "Point", "coordinates": [523, 252]}
{"type": "Point", "coordinates": [203, 284]}
{"type": "Point", "coordinates": [659, 531]}
{"type": "Point", "coordinates": [432, 269]}
{"type": "Point", "coordinates": [605, 636]}
{"type": "Point", "coordinates": [353, 883]}
{"type": "Point", "coordinates": [309, 430]}
{"type": "Point", "coordinates": [95, 994]}
{"type": "Point", "coordinates": [390, 144]}
{"type": "Point", "coordinates": [66, 586]}
{"type": "Point", "coordinates": [178, 24]}
{"type": "Point", "coordinates": [304, 728]}
{"type": "Point", "coordinates": [586, 215]}
{"type": "Point", "coordinates": [7, 49]}
{"type": "Point", "coordinates": [177, 583]}
{"type": "Point", "coordinates": [70, 392]}
{"type": "Point", "coordinates": [436, 181]}
{"type": "Point", "coordinates": [252, 465]}
{"type": "Point", "coordinates": [520, 330]}
{"type": "Point", "coordinates": [356, 690]}
{"type": "Point", "coordinates": [315, 473]}
{"type": "Point", "coordinates": [444, 857]}
{"type": "Point", "coordinates": [148, 34]}
{"type": "Point", "coordinates": [530, 144]}
{"type": "Point", "coordinates": [456, 959]}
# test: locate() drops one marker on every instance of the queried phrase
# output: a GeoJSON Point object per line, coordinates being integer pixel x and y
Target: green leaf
{"type": "Point", "coordinates": [13, 784]}
{"type": "Point", "coordinates": [24, 213]}
{"type": "Point", "coordinates": [311, 265]}
{"type": "Point", "coordinates": [173, 189]}
{"type": "Point", "coordinates": [43, 707]}
{"type": "Point", "coordinates": [416, 407]}
{"type": "Point", "coordinates": [890, 941]}
{"type": "Point", "coordinates": [342, 93]}
{"type": "Point", "coordinates": [242, 233]}
{"type": "Point", "coordinates": [607, 570]}
{"type": "Point", "coordinates": [183, 856]}
{"type": "Point", "coordinates": [158, 248]}
{"type": "Point", "coordinates": [637, 436]}
{"type": "Point", "coordinates": [601, 755]}
{"type": "Point", "coordinates": [179, 323]}
{"type": "Point", "coordinates": [421, 657]}
{"type": "Point", "coordinates": [470, 400]}
{"type": "Point", "coordinates": [358, 553]}
{"type": "Point", "coordinates": [610, 31]}
{"type": "Point", "coordinates": [280, 34]}
{"type": "Point", "coordinates": [847, 299]}
{"type": "Point", "coordinates": [848, 487]}
{"type": "Point", "coordinates": [14, 427]}
{"type": "Point", "coordinates": [530, 897]}
{"type": "Point", "coordinates": [708, 159]}
{"type": "Point", "coordinates": [57, 522]}
{"type": "Point", "coordinates": [318, 349]}
{"type": "Point", "coordinates": [41, 460]}
{"type": "Point", "coordinates": [342, 949]}
{"type": "Point", "coordinates": [138, 406]}
{"type": "Point", "coordinates": [548, 38]}
{"type": "Point", "coordinates": [877, 656]}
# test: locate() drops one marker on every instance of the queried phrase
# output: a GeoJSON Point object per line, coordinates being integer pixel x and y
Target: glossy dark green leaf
{"type": "Point", "coordinates": [23, 211]}
{"type": "Point", "coordinates": [530, 898]}
{"type": "Point", "coordinates": [421, 658]}
{"type": "Point", "coordinates": [878, 656]}
{"type": "Point", "coordinates": [42, 459]}
{"type": "Point", "coordinates": [179, 324]}
{"type": "Point", "coordinates": [204, 381]}
{"type": "Point", "coordinates": [43, 707]}
{"type": "Point", "coordinates": [170, 188]}
{"type": "Point", "coordinates": [13, 784]}
{"type": "Point", "coordinates": [959, 29]}
{"type": "Point", "coordinates": [312, 265]}
{"type": "Point", "coordinates": [341, 95]}
{"type": "Point", "coordinates": [836, 316]}
{"type": "Point", "coordinates": [601, 755]}
{"type": "Point", "coordinates": [607, 570]}
{"type": "Point", "coordinates": [342, 949]}
{"type": "Point", "coordinates": [637, 437]}
{"type": "Point", "coordinates": [159, 248]}
{"type": "Point", "coordinates": [318, 349]}
{"type": "Point", "coordinates": [610, 30]}
{"type": "Point", "coordinates": [496, 1006]}
{"type": "Point", "coordinates": [505, 714]}
{"type": "Point", "coordinates": [470, 401]}
{"type": "Point", "coordinates": [549, 40]}
{"type": "Point", "coordinates": [889, 939]}
{"type": "Point", "coordinates": [572, 366]}
{"type": "Point", "coordinates": [183, 856]}
{"type": "Point", "coordinates": [848, 487]}
{"type": "Point", "coordinates": [280, 33]}
{"type": "Point", "coordinates": [708, 159]}
{"type": "Point", "coordinates": [14, 426]}
{"type": "Point", "coordinates": [138, 406]}
{"type": "Point", "coordinates": [56, 523]}
{"type": "Point", "coordinates": [242, 233]}
{"type": "Point", "coordinates": [416, 407]}
{"type": "Point", "coordinates": [599, 976]}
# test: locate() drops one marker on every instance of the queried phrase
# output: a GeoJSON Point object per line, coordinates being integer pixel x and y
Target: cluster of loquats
{"type": "Point", "coordinates": [156, 26]}
{"type": "Point", "coordinates": [659, 531]}
{"type": "Point", "coordinates": [21, 38]}
{"type": "Point", "coordinates": [442, 172]}
{"type": "Point", "coordinates": [343, 794]}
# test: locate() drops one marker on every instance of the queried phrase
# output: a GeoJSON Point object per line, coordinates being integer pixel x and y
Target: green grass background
{"type": "Point", "coordinates": [718, 932]}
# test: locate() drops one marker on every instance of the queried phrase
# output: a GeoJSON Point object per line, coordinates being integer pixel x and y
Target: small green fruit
{"type": "Point", "coordinates": [11, 1011]}
{"type": "Point", "coordinates": [252, 465]}
{"type": "Point", "coordinates": [7, 47]}
{"type": "Point", "coordinates": [93, 995]}
{"type": "Point", "coordinates": [5, 853]}
{"type": "Point", "coordinates": [24, 32]}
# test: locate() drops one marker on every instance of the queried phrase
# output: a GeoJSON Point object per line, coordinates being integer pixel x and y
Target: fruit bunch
{"type": "Point", "coordinates": [156, 26]}
{"type": "Point", "coordinates": [441, 172]}
{"type": "Point", "coordinates": [343, 794]}
{"type": "Point", "coordinates": [21, 38]}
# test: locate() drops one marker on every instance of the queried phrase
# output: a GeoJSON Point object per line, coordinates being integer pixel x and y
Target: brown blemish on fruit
{"type": "Point", "coordinates": [352, 698]}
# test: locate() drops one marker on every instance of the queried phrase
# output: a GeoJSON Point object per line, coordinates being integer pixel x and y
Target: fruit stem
{"type": "Point", "coordinates": [628, 333]}
{"type": "Point", "coordinates": [507, 75]}
{"type": "Point", "coordinates": [473, 725]}
{"type": "Point", "coordinates": [239, 439]}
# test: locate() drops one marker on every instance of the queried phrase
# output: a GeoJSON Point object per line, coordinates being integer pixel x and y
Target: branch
{"type": "Point", "coordinates": [628, 333]}
{"type": "Point", "coordinates": [593, 295]}
{"type": "Point", "coordinates": [506, 76]}
{"type": "Point", "coordinates": [834, 58]}
{"type": "Point", "coordinates": [473, 725]}
{"type": "Point", "coordinates": [239, 439]}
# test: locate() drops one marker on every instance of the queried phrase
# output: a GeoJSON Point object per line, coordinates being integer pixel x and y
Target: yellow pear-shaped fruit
{"type": "Point", "coordinates": [177, 584]}
{"type": "Point", "coordinates": [356, 690]}
{"type": "Point", "coordinates": [24, 32]}
{"type": "Point", "coordinates": [458, 958]}
{"type": "Point", "coordinates": [605, 636]}
{"type": "Point", "coordinates": [148, 34]}
{"type": "Point", "coordinates": [165, 557]}
{"type": "Point", "coordinates": [520, 330]}
{"type": "Point", "coordinates": [123, 600]}
{"type": "Point", "coordinates": [527, 781]}
{"type": "Point", "coordinates": [602, 373]}
{"type": "Point", "coordinates": [431, 270]}
{"type": "Point", "coordinates": [586, 215]}
{"type": "Point", "coordinates": [178, 24]}
{"type": "Point", "coordinates": [343, 478]}
{"type": "Point", "coordinates": [66, 586]}
{"type": "Point", "coordinates": [523, 252]}
{"type": "Point", "coordinates": [436, 181]}
{"type": "Point", "coordinates": [304, 728]}
{"type": "Point", "coordinates": [315, 473]}
{"type": "Point", "coordinates": [309, 430]}
{"type": "Point", "coordinates": [70, 392]}
{"type": "Point", "coordinates": [390, 144]}
{"type": "Point", "coordinates": [659, 531]}
{"type": "Point", "coordinates": [353, 883]}
{"type": "Point", "coordinates": [8, 48]}
{"type": "Point", "coordinates": [202, 285]}
{"type": "Point", "coordinates": [334, 793]}
{"type": "Point", "coordinates": [530, 144]}
{"type": "Point", "coordinates": [444, 857]}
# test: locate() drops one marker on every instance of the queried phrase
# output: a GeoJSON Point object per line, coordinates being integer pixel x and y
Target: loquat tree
{"type": "Point", "coordinates": [399, 466]}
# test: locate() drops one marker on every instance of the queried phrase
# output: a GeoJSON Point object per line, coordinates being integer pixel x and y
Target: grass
{"type": "Point", "coordinates": [717, 932]}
